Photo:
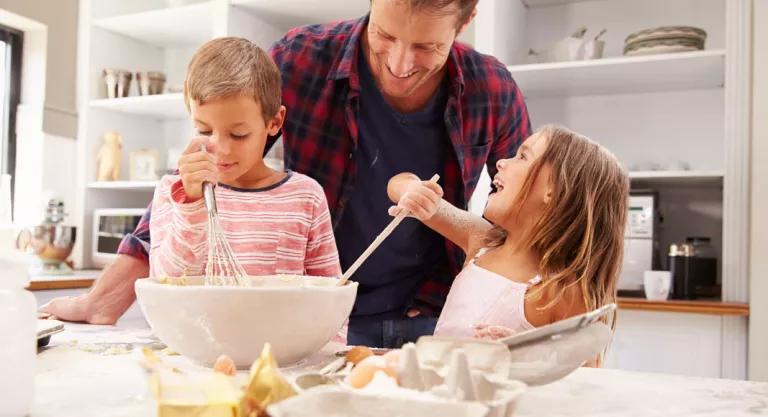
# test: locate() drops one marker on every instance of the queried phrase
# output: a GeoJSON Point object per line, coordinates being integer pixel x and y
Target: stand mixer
{"type": "Point", "coordinates": [50, 242]}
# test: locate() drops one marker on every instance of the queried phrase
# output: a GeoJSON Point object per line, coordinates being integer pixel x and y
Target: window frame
{"type": "Point", "coordinates": [14, 39]}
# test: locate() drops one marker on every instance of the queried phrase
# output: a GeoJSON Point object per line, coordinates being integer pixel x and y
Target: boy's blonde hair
{"type": "Point", "coordinates": [579, 238]}
{"type": "Point", "coordinates": [230, 66]}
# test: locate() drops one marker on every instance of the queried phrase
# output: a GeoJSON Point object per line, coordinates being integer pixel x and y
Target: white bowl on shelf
{"type": "Point", "coordinates": [297, 315]}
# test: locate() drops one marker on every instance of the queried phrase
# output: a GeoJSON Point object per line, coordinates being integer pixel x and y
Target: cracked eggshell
{"type": "Point", "coordinates": [421, 390]}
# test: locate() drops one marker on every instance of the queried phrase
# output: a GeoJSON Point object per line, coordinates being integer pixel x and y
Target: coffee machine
{"type": "Point", "coordinates": [641, 243]}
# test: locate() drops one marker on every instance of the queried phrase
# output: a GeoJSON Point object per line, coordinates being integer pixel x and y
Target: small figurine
{"type": "Point", "coordinates": [109, 158]}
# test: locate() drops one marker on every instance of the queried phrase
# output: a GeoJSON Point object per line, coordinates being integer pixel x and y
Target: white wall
{"type": "Point", "coordinates": [47, 121]}
{"type": "Point", "coordinates": [758, 292]}
{"type": "Point", "coordinates": [60, 16]}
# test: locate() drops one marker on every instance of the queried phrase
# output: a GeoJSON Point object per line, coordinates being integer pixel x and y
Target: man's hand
{"type": "Point", "coordinates": [111, 295]}
{"type": "Point", "coordinates": [421, 198]}
{"type": "Point", "coordinates": [67, 309]}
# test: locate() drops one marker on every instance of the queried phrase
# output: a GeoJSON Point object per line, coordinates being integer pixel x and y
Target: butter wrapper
{"type": "Point", "coordinates": [266, 386]}
{"type": "Point", "coordinates": [204, 395]}
{"type": "Point", "coordinates": [174, 393]}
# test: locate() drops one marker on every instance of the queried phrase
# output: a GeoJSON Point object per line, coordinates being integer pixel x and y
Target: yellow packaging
{"type": "Point", "coordinates": [209, 395]}
{"type": "Point", "coordinates": [177, 394]}
{"type": "Point", "coordinates": [265, 386]}
{"type": "Point", "coordinates": [213, 394]}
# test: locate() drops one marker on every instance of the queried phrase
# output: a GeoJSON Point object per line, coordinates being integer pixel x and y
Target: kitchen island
{"type": "Point", "coordinates": [92, 371]}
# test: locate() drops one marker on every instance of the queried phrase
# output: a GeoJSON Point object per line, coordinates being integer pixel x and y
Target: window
{"type": "Point", "coordinates": [10, 96]}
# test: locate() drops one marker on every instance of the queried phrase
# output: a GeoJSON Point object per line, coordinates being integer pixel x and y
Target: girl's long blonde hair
{"type": "Point", "coordinates": [579, 237]}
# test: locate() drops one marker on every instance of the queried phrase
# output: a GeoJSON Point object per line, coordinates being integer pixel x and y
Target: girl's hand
{"type": "Point", "coordinates": [421, 198]}
{"type": "Point", "coordinates": [490, 332]}
{"type": "Point", "coordinates": [197, 166]}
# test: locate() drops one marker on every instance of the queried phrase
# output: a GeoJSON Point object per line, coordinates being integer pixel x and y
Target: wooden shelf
{"type": "Point", "coordinates": [171, 27]}
{"type": "Point", "coordinates": [622, 75]}
{"type": "Point", "coordinates": [678, 178]}
{"type": "Point", "coordinates": [124, 185]}
{"type": "Point", "coordinates": [682, 306]}
{"type": "Point", "coordinates": [293, 13]}
{"type": "Point", "coordinates": [161, 106]}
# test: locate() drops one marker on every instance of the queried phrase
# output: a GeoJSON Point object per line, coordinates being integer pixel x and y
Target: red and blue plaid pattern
{"type": "Point", "coordinates": [485, 116]}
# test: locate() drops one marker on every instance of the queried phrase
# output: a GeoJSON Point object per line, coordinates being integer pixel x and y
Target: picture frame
{"type": "Point", "coordinates": [144, 165]}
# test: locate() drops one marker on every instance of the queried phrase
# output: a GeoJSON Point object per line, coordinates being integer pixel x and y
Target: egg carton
{"type": "Point", "coordinates": [468, 384]}
{"type": "Point", "coordinates": [544, 361]}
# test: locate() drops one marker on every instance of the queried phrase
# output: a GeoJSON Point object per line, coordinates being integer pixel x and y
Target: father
{"type": "Point", "coordinates": [367, 99]}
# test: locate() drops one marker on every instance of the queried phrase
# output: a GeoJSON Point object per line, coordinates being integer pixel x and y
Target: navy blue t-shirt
{"type": "Point", "coordinates": [390, 143]}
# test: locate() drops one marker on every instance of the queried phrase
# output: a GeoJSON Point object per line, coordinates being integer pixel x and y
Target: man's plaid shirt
{"type": "Point", "coordinates": [485, 116]}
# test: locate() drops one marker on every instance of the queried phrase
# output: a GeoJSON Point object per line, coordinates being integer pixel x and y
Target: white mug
{"type": "Point", "coordinates": [657, 285]}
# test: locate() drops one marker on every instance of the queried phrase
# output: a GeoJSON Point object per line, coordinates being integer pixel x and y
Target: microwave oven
{"type": "Point", "coordinates": [109, 228]}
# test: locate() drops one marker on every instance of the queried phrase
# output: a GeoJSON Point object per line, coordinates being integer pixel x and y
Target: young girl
{"type": "Point", "coordinates": [552, 247]}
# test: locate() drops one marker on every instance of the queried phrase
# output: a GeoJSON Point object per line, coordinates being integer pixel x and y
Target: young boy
{"type": "Point", "coordinates": [275, 222]}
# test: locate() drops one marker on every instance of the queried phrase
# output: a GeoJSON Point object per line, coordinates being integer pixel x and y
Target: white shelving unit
{"type": "Point", "coordinates": [288, 14]}
{"type": "Point", "coordinates": [624, 75]}
{"type": "Point", "coordinates": [123, 185]}
{"type": "Point", "coordinates": [660, 109]}
{"type": "Point", "coordinates": [161, 106]}
{"type": "Point", "coordinates": [696, 179]}
{"type": "Point", "coordinates": [147, 35]}
{"type": "Point", "coordinates": [166, 27]}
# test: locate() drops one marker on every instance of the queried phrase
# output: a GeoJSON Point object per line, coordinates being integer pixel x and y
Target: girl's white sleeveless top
{"type": "Point", "coordinates": [479, 296]}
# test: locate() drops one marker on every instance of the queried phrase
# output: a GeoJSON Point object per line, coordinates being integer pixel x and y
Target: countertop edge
{"type": "Point", "coordinates": [684, 306]}
{"type": "Point", "coordinates": [60, 284]}
{"type": "Point", "coordinates": [81, 278]}
{"type": "Point", "coordinates": [84, 279]}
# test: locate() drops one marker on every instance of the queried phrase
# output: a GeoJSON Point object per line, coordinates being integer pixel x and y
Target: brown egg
{"type": "Point", "coordinates": [225, 365]}
{"type": "Point", "coordinates": [358, 353]}
{"type": "Point", "coordinates": [363, 373]}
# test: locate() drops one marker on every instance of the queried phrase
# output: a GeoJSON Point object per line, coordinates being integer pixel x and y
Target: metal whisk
{"type": "Point", "coordinates": [223, 267]}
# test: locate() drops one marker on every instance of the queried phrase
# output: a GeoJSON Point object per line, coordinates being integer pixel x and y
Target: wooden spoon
{"type": "Point", "coordinates": [380, 238]}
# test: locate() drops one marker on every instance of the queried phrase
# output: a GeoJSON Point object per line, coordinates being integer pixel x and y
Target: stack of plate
{"type": "Point", "coordinates": [664, 40]}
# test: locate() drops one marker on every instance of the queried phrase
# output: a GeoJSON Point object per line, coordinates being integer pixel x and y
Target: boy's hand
{"type": "Point", "coordinates": [197, 166]}
{"type": "Point", "coordinates": [421, 198]}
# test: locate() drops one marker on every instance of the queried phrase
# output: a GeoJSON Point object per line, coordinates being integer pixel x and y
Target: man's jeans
{"type": "Point", "coordinates": [389, 334]}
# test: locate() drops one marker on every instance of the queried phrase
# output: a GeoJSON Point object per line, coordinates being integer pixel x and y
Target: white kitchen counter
{"type": "Point", "coordinates": [78, 274]}
{"type": "Point", "coordinates": [73, 381]}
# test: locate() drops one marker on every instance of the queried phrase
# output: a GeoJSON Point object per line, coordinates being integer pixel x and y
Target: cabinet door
{"type": "Point", "coordinates": [669, 343]}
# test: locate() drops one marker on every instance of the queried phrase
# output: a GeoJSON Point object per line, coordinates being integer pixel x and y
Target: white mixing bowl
{"type": "Point", "coordinates": [297, 315]}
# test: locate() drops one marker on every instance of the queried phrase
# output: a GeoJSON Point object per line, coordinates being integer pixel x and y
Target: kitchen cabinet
{"type": "Point", "coordinates": [669, 343]}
